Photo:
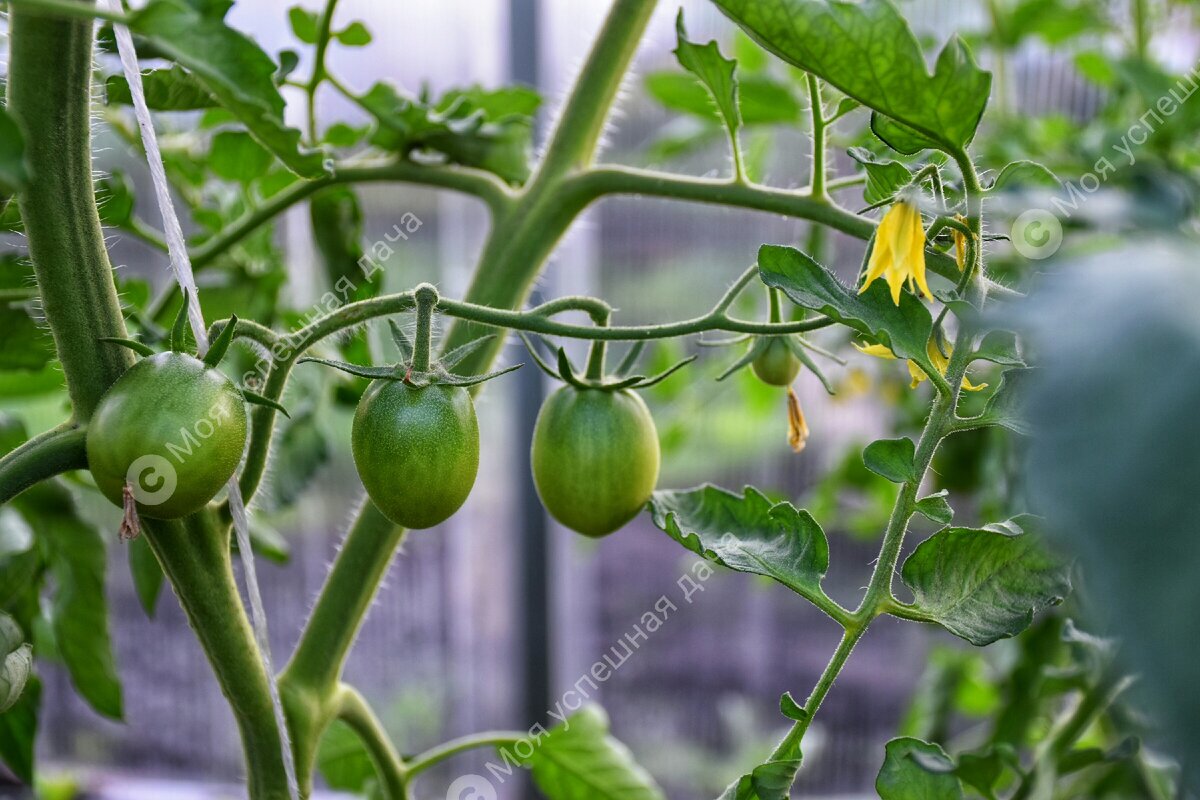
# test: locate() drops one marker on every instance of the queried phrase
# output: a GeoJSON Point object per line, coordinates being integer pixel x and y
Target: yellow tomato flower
{"type": "Point", "coordinates": [939, 361]}
{"type": "Point", "coordinates": [899, 252]}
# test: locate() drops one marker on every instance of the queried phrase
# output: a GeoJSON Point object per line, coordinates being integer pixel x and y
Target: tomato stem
{"type": "Point", "coordinates": [427, 298]}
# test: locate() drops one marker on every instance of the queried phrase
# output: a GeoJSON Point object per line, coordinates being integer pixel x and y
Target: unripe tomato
{"type": "Point", "coordinates": [595, 458]}
{"type": "Point", "coordinates": [777, 365]}
{"type": "Point", "coordinates": [416, 450]}
{"type": "Point", "coordinates": [171, 427]}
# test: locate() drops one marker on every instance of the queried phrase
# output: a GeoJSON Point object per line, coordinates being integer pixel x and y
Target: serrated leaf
{"type": "Point", "coordinates": [1000, 347]}
{"type": "Point", "coordinates": [936, 507]}
{"type": "Point", "coordinates": [903, 329]}
{"type": "Point", "coordinates": [580, 761]}
{"type": "Point", "coordinates": [983, 585]}
{"type": "Point", "coordinates": [233, 69]}
{"type": "Point", "coordinates": [884, 178]}
{"type": "Point", "coordinates": [1022, 173]}
{"type": "Point", "coordinates": [714, 71]}
{"type": "Point", "coordinates": [18, 731]}
{"type": "Point", "coordinates": [78, 612]}
{"type": "Point", "coordinates": [1006, 406]}
{"type": "Point", "coordinates": [13, 170]}
{"type": "Point", "coordinates": [917, 770]}
{"type": "Point", "coordinates": [172, 89]}
{"type": "Point", "coordinates": [892, 459]}
{"type": "Point", "coordinates": [16, 662]}
{"type": "Point", "coordinates": [868, 52]}
{"type": "Point", "coordinates": [746, 533]}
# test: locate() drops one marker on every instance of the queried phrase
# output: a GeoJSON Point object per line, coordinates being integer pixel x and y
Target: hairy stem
{"type": "Point", "coordinates": [353, 709]}
{"type": "Point", "coordinates": [817, 183]}
{"type": "Point", "coordinates": [59, 450]}
{"type": "Point", "coordinates": [49, 97]}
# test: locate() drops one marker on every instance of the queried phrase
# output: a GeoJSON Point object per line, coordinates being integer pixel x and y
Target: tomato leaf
{"type": "Point", "coordinates": [884, 178]}
{"type": "Point", "coordinates": [868, 52]}
{"type": "Point", "coordinates": [237, 157]}
{"type": "Point", "coordinates": [1006, 406]}
{"type": "Point", "coordinates": [578, 760]}
{"type": "Point", "coordinates": [1021, 173]}
{"type": "Point", "coordinates": [147, 574]}
{"type": "Point", "coordinates": [343, 760]}
{"type": "Point", "coordinates": [304, 24]}
{"type": "Point", "coordinates": [78, 613]}
{"type": "Point", "coordinates": [354, 35]}
{"type": "Point", "coordinates": [13, 170]}
{"type": "Point", "coordinates": [904, 329]}
{"type": "Point", "coordinates": [714, 71]}
{"type": "Point", "coordinates": [171, 89]}
{"type": "Point", "coordinates": [936, 507]}
{"type": "Point", "coordinates": [984, 584]}
{"type": "Point", "coordinates": [302, 450]}
{"type": "Point", "coordinates": [24, 344]}
{"type": "Point", "coordinates": [233, 69]}
{"type": "Point", "coordinates": [747, 533]}
{"type": "Point", "coordinates": [18, 731]}
{"type": "Point", "coordinates": [892, 459]}
{"type": "Point", "coordinates": [917, 770]}
{"type": "Point", "coordinates": [16, 662]}
{"type": "Point", "coordinates": [1000, 347]}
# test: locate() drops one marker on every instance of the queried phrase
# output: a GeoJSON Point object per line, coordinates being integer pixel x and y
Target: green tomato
{"type": "Point", "coordinates": [171, 427]}
{"type": "Point", "coordinates": [416, 450]}
{"type": "Point", "coordinates": [595, 458]}
{"type": "Point", "coordinates": [777, 365]}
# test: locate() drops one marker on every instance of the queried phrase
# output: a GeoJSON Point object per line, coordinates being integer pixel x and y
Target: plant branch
{"type": "Point", "coordinates": [487, 187]}
{"type": "Point", "coordinates": [58, 451]}
{"type": "Point", "coordinates": [443, 752]}
{"type": "Point", "coordinates": [318, 73]}
{"type": "Point", "coordinates": [69, 9]}
{"type": "Point", "coordinates": [353, 709]}
{"type": "Point", "coordinates": [816, 187]}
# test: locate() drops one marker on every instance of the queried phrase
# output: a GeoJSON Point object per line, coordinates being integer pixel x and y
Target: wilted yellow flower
{"type": "Point", "coordinates": [797, 427]}
{"type": "Point", "coordinates": [940, 361]}
{"type": "Point", "coordinates": [899, 252]}
{"type": "Point", "coordinates": [960, 244]}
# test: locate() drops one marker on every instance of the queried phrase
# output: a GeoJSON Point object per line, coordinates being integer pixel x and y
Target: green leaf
{"type": "Point", "coordinates": [892, 459]}
{"type": "Point", "coordinates": [1023, 173]}
{"type": "Point", "coordinates": [904, 329]}
{"type": "Point", "coordinates": [791, 709]}
{"type": "Point", "coordinates": [18, 731]}
{"type": "Point", "coordinates": [884, 178]}
{"type": "Point", "coordinates": [304, 24]}
{"type": "Point", "coordinates": [234, 70]}
{"type": "Point", "coordinates": [1000, 347]}
{"type": "Point", "coordinates": [984, 584]}
{"type": "Point", "coordinates": [337, 224]}
{"type": "Point", "coordinates": [748, 534]}
{"type": "Point", "coordinates": [716, 72]}
{"type": "Point", "coordinates": [115, 200]}
{"type": "Point", "coordinates": [13, 170]}
{"type": "Point", "coordinates": [773, 780]}
{"type": "Point", "coordinates": [578, 760]}
{"type": "Point", "coordinates": [172, 89]}
{"type": "Point", "coordinates": [917, 770]}
{"type": "Point", "coordinates": [78, 612]}
{"type": "Point", "coordinates": [936, 507]}
{"type": "Point", "coordinates": [473, 127]}
{"type": "Point", "coordinates": [354, 35]}
{"type": "Point", "coordinates": [16, 662]}
{"type": "Point", "coordinates": [236, 156]}
{"type": "Point", "coordinates": [867, 51]}
{"type": "Point", "coordinates": [147, 574]}
{"type": "Point", "coordinates": [302, 450]}
{"type": "Point", "coordinates": [1006, 406]}
{"type": "Point", "coordinates": [343, 761]}
{"type": "Point", "coordinates": [24, 344]}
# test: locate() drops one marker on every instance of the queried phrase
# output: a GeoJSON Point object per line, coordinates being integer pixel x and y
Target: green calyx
{"type": "Point", "coordinates": [415, 368]}
{"type": "Point", "coordinates": [620, 379]}
{"type": "Point", "coordinates": [177, 342]}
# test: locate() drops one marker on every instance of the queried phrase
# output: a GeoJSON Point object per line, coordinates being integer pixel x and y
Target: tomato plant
{"type": "Point", "coordinates": [929, 292]}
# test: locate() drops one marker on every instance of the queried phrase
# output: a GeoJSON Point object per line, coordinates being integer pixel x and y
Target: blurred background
{"type": "Point", "coordinates": [487, 621]}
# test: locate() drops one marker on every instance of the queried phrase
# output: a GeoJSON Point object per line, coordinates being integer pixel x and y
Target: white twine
{"type": "Point", "coordinates": [181, 266]}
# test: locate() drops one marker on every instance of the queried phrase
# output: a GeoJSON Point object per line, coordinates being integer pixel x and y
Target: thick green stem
{"type": "Point", "coordinates": [426, 297]}
{"type": "Point", "coordinates": [195, 557]}
{"type": "Point", "coordinates": [817, 183]}
{"type": "Point", "coordinates": [49, 97]}
{"type": "Point", "coordinates": [53, 453]}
